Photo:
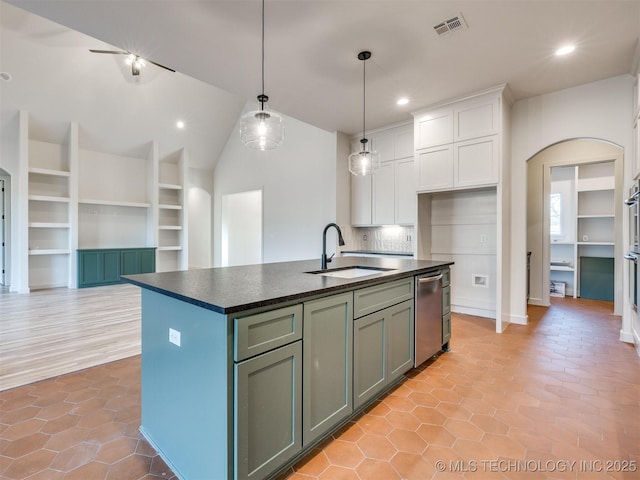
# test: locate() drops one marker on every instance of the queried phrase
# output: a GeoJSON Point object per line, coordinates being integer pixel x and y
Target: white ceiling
{"type": "Point", "coordinates": [312, 72]}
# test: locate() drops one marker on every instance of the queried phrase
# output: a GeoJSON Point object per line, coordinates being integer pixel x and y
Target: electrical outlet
{"type": "Point", "coordinates": [174, 337]}
{"type": "Point", "coordinates": [364, 237]}
{"type": "Point", "coordinates": [483, 238]}
{"type": "Point", "coordinates": [585, 238]}
{"type": "Point", "coordinates": [408, 238]}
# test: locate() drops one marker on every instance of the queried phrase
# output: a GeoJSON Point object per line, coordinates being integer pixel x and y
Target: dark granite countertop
{"type": "Point", "coordinates": [378, 252]}
{"type": "Point", "coordinates": [235, 289]}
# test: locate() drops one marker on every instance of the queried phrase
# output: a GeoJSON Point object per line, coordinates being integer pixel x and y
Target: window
{"type": "Point", "coordinates": [555, 214]}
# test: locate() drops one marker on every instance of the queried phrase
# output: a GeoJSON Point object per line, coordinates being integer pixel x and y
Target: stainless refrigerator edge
{"type": "Point", "coordinates": [428, 312]}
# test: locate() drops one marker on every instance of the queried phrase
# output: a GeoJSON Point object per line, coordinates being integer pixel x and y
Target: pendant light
{"type": "Point", "coordinates": [260, 129]}
{"type": "Point", "coordinates": [367, 160]}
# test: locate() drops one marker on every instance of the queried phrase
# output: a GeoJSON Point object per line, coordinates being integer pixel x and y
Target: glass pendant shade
{"type": "Point", "coordinates": [364, 162]}
{"type": "Point", "coordinates": [261, 130]}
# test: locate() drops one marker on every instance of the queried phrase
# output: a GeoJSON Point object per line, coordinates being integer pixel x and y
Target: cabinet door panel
{"type": "Point", "coordinates": [361, 200]}
{"type": "Point", "coordinates": [268, 404]}
{"type": "Point", "coordinates": [400, 322]}
{"type": "Point", "coordinates": [446, 328]}
{"type": "Point", "coordinates": [111, 266]}
{"type": "Point", "coordinates": [475, 162]}
{"type": "Point", "coordinates": [369, 357]}
{"type": "Point", "coordinates": [130, 262]}
{"type": "Point", "coordinates": [89, 268]}
{"type": "Point", "coordinates": [383, 195]}
{"type": "Point", "coordinates": [404, 142]}
{"type": "Point", "coordinates": [383, 143]}
{"type": "Point", "coordinates": [405, 193]}
{"type": "Point", "coordinates": [148, 261]}
{"type": "Point", "coordinates": [434, 128]}
{"type": "Point", "coordinates": [476, 119]}
{"type": "Point", "coordinates": [327, 330]}
{"type": "Point", "coordinates": [435, 168]}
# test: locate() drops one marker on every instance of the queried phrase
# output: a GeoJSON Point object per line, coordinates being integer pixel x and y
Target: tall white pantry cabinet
{"type": "Point", "coordinates": [74, 198]}
{"type": "Point", "coordinates": [462, 171]}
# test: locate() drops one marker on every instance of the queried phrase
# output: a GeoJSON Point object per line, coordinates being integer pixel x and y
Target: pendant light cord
{"type": "Point", "coordinates": [262, 101]}
{"type": "Point", "coordinates": [364, 100]}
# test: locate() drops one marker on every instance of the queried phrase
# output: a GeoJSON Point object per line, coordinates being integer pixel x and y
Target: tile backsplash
{"type": "Point", "coordinates": [392, 238]}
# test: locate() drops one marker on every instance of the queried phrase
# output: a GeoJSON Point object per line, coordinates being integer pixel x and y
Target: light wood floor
{"type": "Point", "coordinates": [50, 332]}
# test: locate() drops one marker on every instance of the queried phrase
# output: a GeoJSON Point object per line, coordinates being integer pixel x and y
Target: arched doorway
{"type": "Point", "coordinates": [574, 152]}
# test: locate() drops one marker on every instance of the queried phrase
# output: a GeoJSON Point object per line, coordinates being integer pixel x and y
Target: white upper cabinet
{"type": "Point", "coordinates": [404, 142]}
{"type": "Point", "coordinates": [360, 200]}
{"type": "Point", "coordinates": [384, 144]}
{"type": "Point", "coordinates": [383, 195]}
{"type": "Point", "coordinates": [433, 128]}
{"type": "Point", "coordinates": [473, 119]}
{"type": "Point", "coordinates": [388, 196]}
{"type": "Point", "coordinates": [459, 145]}
{"type": "Point", "coordinates": [475, 162]}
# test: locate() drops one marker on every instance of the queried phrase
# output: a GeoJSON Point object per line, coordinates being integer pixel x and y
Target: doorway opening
{"type": "Point", "coordinates": [575, 222]}
{"type": "Point", "coordinates": [241, 239]}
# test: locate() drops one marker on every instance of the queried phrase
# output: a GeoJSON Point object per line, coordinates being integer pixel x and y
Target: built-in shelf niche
{"type": "Point", "coordinates": [589, 217]}
{"type": "Point", "coordinates": [171, 225]}
{"type": "Point", "coordinates": [49, 244]}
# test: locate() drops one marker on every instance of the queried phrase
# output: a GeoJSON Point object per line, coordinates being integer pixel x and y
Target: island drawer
{"type": "Point", "coordinates": [259, 333]}
{"type": "Point", "coordinates": [371, 299]}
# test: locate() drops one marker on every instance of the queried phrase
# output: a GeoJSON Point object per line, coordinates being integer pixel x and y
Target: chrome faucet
{"type": "Point", "coordinates": [326, 260]}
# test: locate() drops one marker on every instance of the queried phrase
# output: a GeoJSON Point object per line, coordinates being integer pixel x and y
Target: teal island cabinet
{"type": "Point", "coordinates": [246, 369]}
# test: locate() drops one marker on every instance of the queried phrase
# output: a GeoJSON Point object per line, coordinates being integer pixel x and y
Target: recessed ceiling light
{"type": "Point", "coordinates": [565, 50]}
{"type": "Point", "coordinates": [180, 124]}
{"type": "Point", "coordinates": [402, 101]}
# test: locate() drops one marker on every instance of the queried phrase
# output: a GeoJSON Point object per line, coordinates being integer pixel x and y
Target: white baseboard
{"type": "Point", "coordinates": [518, 319]}
{"type": "Point", "coordinates": [477, 312]}
{"type": "Point", "coordinates": [538, 302]}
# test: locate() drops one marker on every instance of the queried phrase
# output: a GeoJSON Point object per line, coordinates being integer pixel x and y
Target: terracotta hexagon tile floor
{"type": "Point", "coordinates": [80, 426]}
{"type": "Point", "coordinates": [521, 405]}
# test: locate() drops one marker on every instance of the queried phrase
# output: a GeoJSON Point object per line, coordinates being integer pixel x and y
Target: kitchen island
{"type": "Point", "coordinates": [245, 369]}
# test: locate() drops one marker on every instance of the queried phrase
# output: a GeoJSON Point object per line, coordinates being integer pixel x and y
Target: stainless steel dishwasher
{"type": "Point", "coordinates": [428, 325]}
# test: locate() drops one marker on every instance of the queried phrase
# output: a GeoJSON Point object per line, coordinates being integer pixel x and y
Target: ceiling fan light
{"type": "Point", "coordinates": [261, 130]}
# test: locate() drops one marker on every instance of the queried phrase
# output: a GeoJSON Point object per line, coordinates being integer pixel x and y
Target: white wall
{"type": "Point", "coordinates": [200, 198]}
{"type": "Point", "coordinates": [601, 110]}
{"type": "Point", "coordinates": [298, 181]}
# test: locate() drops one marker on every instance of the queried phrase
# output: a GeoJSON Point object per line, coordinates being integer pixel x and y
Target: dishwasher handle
{"type": "Point", "coordinates": [434, 278]}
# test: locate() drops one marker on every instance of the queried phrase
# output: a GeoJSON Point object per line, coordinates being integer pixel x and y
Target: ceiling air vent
{"type": "Point", "coordinates": [453, 24]}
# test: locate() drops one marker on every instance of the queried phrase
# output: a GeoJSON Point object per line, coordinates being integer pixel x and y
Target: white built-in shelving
{"type": "Point", "coordinates": [588, 196]}
{"type": "Point", "coordinates": [79, 197]}
{"type": "Point", "coordinates": [171, 228]}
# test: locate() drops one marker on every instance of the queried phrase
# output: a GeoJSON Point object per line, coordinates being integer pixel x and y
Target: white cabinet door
{"type": "Point", "coordinates": [475, 162]}
{"type": "Point", "coordinates": [475, 118]}
{"type": "Point", "coordinates": [383, 143]}
{"type": "Point", "coordinates": [384, 194]}
{"type": "Point", "coordinates": [404, 142]}
{"type": "Point", "coordinates": [361, 200]}
{"type": "Point", "coordinates": [435, 168]}
{"type": "Point", "coordinates": [405, 192]}
{"type": "Point", "coordinates": [433, 128]}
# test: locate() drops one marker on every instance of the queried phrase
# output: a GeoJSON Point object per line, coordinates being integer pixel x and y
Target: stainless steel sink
{"type": "Point", "coordinates": [352, 272]}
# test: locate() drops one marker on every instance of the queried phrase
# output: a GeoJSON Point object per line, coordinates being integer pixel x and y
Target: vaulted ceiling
{"type": "Point", "coordinates": [312, 72]}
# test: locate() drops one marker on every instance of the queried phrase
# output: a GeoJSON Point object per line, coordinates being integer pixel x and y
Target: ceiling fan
{"type": "Point", "coordinates": [136, 61]}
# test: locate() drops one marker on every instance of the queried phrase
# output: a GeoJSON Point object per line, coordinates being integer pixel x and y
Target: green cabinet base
{"type": "Point", "coordinates": [105, 265]}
